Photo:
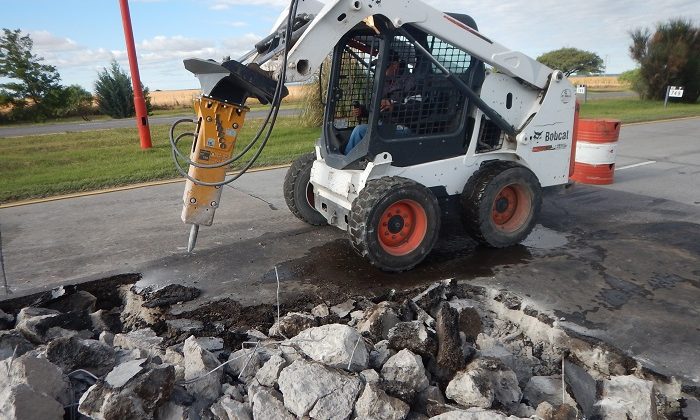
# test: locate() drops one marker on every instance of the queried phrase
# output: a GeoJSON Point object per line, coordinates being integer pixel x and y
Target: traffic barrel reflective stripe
{"type": "Point", "coordinates": [596, 149]}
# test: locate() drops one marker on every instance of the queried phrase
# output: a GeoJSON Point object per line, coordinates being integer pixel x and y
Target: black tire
{"type": "Point", "coordinates": [298, 192]}
{"type": "Point", "coordinates": [408, 235]}
{"type": "Point", "coordinates": [501, 203]}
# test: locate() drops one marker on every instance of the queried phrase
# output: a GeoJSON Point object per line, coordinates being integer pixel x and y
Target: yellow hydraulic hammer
{"type": "Point", "coordinates": [220, 113]}
{"type": "Point", "coordinates": [218, 125]}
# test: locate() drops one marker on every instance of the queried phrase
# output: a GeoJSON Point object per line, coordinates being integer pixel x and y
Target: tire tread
{"type": "Point", "coordinates": [290, 181]}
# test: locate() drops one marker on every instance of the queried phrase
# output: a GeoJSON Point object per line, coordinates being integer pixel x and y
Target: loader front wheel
{"type": "Point", "coordinates": [394, 223]}
{"type": "Point", "coordinates": [299, 192]}
{"type": "Point", "coordinates": [501, 202]}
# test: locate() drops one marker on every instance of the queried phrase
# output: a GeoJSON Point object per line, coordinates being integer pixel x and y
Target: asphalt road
{"type": "Point", "coordinates": [617, 263]}
{"type": "Point", "coordinates": [609, 95]}
{"type": "Point", "coordinates": [44, 129]}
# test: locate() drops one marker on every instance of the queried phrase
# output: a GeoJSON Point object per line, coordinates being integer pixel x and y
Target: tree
{"type": "Point", "coordinates": [115, 94]}
{"type": "Point", "coordinates": [573, 61]}
{"type": "Point", "coordinates": [33, 80]}
{"type": "Point", "coordinates": [669, 56]}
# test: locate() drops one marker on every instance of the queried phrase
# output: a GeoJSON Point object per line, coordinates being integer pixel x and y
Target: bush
{"type": "Point", "coordinates": [313, 98]}
{"type": "Point", "coordinates": [634, 79]}
{"type": "Point", "coordinates": [114, 93]}
{"type": "Point", "coordinates": [72, 101]}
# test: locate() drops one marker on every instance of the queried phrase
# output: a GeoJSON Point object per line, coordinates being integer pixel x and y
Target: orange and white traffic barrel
{"type": "Point", "coordinates": [596, 148]}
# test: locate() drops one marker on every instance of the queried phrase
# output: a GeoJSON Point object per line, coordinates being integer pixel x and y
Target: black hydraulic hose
{"type": "Point", "coordinates": [320, 84]}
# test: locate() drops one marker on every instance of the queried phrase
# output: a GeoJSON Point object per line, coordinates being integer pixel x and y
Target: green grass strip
{"type": "Point", "coordinates": [42, 166]}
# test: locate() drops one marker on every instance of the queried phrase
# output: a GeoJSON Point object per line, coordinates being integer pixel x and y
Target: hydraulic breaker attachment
{"type": "Point", "coordinates": [218, 125]}
{"type": "Point", "coordinates": [220, 113]}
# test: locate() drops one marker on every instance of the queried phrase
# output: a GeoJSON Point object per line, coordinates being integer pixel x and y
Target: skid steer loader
{"type": "Point", "coordinates": [473, 120]}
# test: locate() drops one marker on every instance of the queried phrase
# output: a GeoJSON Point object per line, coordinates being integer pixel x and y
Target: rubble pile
{"type": "Point", "coordinates": [441, 353]}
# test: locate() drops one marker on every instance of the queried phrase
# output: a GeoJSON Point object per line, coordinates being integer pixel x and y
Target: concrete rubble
{"type": "Point", "coordinates": [6, 320]}
{"type": "Point", "coordinates": [442, 353]}
{"type": "Point", "coordinates": [32, 388]}
{"type": "Point", "coordinates": [292, 324]}
{"type": "Point", "coordinates": [71, 353]}
{"type": "Point", "coordinates": [415, 336]}
{"type": "Point", "coordinates": [198, 363]}
{"type": "Point", "coordinates": [375, 404]}
{"type": "Point", "coordinates": [335, 345]}
{"type": "Point", "coordinates": [319, 391]}
{"type": "Point", "coordinates": [626, 397]}
{"type": "Point", "coordinates": [165, 295]}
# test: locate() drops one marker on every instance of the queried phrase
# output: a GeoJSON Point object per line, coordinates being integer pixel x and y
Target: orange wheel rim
{"type": "Point", "coordinates": [402, 227]}
{"type": "Point", "coordinates": [511, 208]}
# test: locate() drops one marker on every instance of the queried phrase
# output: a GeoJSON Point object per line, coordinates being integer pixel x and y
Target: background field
{"type": "Point", "coordinates": [184, 98]}
{"type": "Point", "coordinates": [600, 82]}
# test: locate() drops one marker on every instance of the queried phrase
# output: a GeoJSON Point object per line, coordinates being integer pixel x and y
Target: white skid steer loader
{"type": "Point", "coordinates": [420, 107]}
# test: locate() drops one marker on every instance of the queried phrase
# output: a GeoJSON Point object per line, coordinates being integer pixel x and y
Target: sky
{"type": "Point", "coordinates": [80, 37]}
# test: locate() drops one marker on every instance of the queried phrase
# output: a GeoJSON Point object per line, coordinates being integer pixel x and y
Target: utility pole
{"type": "Point", "coordinates": [139, 101]}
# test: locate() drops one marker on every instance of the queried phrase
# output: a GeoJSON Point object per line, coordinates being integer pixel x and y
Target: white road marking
{"type": "Point", "coordinates": [635, 165]}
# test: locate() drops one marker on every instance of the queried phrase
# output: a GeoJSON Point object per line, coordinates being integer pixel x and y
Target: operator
{"type": "Point", "coordinates": [397, 86]}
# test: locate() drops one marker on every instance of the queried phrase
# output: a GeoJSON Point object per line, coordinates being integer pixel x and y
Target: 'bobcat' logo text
{"type": "Point", "coordinates": [556, 136]}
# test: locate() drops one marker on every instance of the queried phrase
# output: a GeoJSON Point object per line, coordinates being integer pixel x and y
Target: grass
{"type": "Point", "coordinates": [40, 166]}
{"type": "Point", "coordinates": [630, 110]}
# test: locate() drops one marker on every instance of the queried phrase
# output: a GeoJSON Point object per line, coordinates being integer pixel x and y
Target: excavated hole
{"type": "Point", "coordinates": [533, 337]}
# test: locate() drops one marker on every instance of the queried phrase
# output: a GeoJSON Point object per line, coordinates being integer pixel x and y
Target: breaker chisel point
{"type": "Point", "coordinates": [193, 238]}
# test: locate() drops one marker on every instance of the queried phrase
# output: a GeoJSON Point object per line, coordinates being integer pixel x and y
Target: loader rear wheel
{"type": "Point", "coordinates": [299, 192]}
{"type": "Point", "coordinates": [394, 223]}
{"type": "Point", "coordinates": [501, 203]}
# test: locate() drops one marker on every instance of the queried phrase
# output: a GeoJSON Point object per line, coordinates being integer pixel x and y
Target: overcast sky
{"type": "Point", "coordinates": [80, 37]}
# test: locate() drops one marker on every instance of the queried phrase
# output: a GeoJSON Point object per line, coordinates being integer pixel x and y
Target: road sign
{"type": "Point", "coordinates": [675, 92]}
{"type": "Point", "coordinates": [582, 90]}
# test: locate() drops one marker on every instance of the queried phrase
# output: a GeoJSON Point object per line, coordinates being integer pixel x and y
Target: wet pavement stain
{"type": "Point", "coordinates": [620, 292]}
{"type": "Point", "coordinates": [337, 264]}
{"type": "Point", "coordinates": [455, 255]}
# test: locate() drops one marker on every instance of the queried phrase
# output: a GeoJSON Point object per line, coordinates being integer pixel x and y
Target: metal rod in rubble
{"type": "Point", "coordinates": [2, 267]}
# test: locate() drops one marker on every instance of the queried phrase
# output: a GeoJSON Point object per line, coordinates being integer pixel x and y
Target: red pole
{"type": "Point", "coordinates": [139, 101]}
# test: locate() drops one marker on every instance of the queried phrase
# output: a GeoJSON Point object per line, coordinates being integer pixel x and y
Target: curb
{"type": "Point", "coordinates": [117, 189]}
{"type": "Point", "coordinates": [660, 121]}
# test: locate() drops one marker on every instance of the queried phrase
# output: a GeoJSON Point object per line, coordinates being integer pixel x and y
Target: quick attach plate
{"type": "Point", "coordinates": [232, 81]}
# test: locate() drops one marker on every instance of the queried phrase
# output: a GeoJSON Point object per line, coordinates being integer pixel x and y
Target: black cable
{"type": "Point", "coordinates": [320, 83]}
{"type": "Point", "coordinates": [271, 119]}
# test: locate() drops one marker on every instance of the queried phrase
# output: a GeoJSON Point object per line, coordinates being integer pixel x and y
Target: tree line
{"type": "Point", "coordinates": [35, 92]}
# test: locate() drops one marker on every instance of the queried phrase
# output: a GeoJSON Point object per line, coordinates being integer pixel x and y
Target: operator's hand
{"type": "Point", "coordinates": [386, 105]}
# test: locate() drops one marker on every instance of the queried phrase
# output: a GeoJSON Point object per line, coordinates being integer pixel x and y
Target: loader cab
{"type": "Point", "coordinates": [428, 118]}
